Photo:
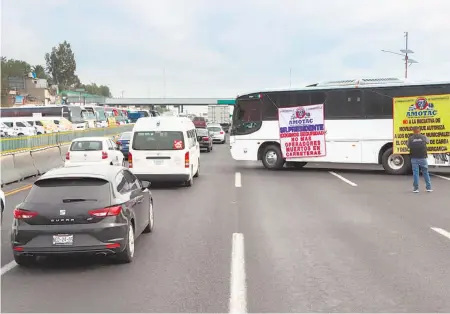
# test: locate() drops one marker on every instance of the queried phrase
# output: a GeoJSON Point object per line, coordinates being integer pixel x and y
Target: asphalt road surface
{"type": "Point", "coordinates": [325, 238]}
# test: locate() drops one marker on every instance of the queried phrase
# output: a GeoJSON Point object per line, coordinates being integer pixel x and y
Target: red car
{"type": "Point", "coordinates": [199, 122]}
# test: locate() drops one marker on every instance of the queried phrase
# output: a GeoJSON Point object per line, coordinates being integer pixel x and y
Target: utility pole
{"type": "Point", "coordinates": [405, 54]}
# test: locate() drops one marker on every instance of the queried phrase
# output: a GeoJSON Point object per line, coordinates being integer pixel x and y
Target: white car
{"type": "Point", "coordinates": [218, 134]}
{"type": "Point", "coordinates": [92, 150]}
{"type": "Point", "coordinates": [3, 201]}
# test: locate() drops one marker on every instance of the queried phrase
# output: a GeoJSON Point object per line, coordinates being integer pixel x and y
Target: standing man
{"type": "Point", "coordinates": [417, 144]}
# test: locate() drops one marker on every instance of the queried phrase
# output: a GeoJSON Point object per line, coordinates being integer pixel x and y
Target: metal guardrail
{"type": "Point", "coordinates": [10, 145]}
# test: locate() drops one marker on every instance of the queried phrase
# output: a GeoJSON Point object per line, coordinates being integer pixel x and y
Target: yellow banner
{"type": "Point", "coordinates": [430, 113]}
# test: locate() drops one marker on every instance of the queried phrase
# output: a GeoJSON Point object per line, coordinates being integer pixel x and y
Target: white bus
{"type": "Point", "coordinates": [358, 121]}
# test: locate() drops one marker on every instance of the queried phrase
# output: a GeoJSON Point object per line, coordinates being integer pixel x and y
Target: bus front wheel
{"type": "Point", "coordinates": [272, 158]}
{"type": "Point", "coordinates": [395, 164]}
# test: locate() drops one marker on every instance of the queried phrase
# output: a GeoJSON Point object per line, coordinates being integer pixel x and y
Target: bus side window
{"type": "Point", "coordinates": [334, 104]}
{"type": "Point", "coordinates": [270, 107]}
{"type": "Point", "coordinates": [354, 105]}
{"type": "Point", "coordinates": [317, 98]}
{"type": "Point", "coordinates": [377, 103]}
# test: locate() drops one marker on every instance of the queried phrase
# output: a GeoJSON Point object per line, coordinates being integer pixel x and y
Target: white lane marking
{"type": "Point", "coordinates": [237, 180]}
{"type": "Point", "coordinates": [238, 286]}
{"type": "Point", "coordinates": [442, 177]}
{"type": "Point", "coordinates": [441, 232]}
{"type": "Point", "coordinates": [8, 267]}
{"type": "Point", "coordinates": [343, 179]}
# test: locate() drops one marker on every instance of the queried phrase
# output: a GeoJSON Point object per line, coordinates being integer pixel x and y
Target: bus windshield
{"type": "Point", "coordinates": [87, 114]}
{"type": "Point", "coordinates": [75, 115]}
{"type": "Point", "coordinates": [100, 113]}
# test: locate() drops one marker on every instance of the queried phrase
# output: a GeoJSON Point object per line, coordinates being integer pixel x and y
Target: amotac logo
{"type": "Point", "coordinates": [300, 113]}
{"type": "Point", "coordinates": [421, 108]}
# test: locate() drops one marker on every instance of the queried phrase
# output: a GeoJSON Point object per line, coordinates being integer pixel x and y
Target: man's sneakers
{"type": "Point", "coordinates": [417, 190]}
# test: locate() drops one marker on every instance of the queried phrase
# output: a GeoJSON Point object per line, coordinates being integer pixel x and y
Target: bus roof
{"type": "Point", "coordinates": [357, 83]}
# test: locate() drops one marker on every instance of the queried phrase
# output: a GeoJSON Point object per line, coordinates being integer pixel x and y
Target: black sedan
{"type": "Point", "coordinates": [205, 139]}
{"type": "Point", "coordinates": [97, 210]}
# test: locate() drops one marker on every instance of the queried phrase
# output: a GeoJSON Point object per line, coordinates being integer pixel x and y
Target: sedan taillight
{"type": "Point", "coordinates": [108, 211]}
{"type": "Point", "coordinates": [24, 214]}
{"type": "Point", "coordinates": [206, 139]}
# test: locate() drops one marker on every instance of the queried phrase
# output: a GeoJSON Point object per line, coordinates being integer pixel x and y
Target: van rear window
{"type": "Point", "coordinates": [158, 140]}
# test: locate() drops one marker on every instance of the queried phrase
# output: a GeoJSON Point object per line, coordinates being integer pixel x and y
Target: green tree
{"type": "Point", "coordinates": [61, 65]}
{"type": "Point", "coordinates": [11, 68]}
{"type": "Point", "coordinates": [40, 72]}
{"type": "Point", "coordinates": [100, 90]}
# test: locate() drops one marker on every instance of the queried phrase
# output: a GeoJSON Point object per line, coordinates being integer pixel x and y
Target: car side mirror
{"type": "Point", "coordinates": [145, 184]}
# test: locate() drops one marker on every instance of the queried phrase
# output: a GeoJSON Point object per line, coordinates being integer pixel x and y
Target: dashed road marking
{"type": "Point", "coordinates": [442, 232]}
{"type": "Point", "coordinates": [343, 179]}
{"type": "Point", "coordinates": [238, 286]}
{"type": "Point", "coordinates": [237, 180]}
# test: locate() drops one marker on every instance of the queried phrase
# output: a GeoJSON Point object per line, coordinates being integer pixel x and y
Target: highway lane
{"type": "Point", "coordinates": [313, 242]}
{"type": "Point", "coordinates": [184, 266]}
{"type": "Point", "coordinates": [318, 244]}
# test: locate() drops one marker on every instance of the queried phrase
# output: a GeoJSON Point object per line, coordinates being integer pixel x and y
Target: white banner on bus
{"type": "Point", "coordinates": [302, 131]}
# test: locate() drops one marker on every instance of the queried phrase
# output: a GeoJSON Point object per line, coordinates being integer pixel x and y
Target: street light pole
{"type": "Point", "coordinates": [405, 54]}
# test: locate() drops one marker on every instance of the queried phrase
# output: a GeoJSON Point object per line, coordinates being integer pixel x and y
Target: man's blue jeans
{"type": "Point", "coordinates": [417, 165]}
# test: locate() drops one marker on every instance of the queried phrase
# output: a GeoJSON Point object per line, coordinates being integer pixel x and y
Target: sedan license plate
{"type": "Point", "coordinates": [63, 239]}
{"type": "Point", "coordinates": [158, 162]}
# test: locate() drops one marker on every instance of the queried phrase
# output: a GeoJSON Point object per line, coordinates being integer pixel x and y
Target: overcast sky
{"type": "Point", "coordinates": [212, 48]}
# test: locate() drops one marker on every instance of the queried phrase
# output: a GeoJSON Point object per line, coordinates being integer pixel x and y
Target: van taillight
{"type": "Point", "coordinates": [104, 155]}
{"type": "Point", "coordinates": [186, 160]}
{"type": "Point", "coordinates": [68, 156]}
{"type": "Point", "coordinates": [130, 160]}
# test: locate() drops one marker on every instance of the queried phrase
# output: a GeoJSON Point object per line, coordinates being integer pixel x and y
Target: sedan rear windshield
{"type": "Point", "coordinates": [202, 132]}
{"type": "Point", "coordinates": [214, 129]}
{"type": "Point", "coordinates": [157, 140]}
{"type": "Point", "coordinates": [92, 191]}
{"type": "Point", "coordinates": [86, 146]}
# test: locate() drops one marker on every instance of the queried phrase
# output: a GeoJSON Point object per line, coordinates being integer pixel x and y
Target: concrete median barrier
{"type": "Point", "coordinates": [9, 173]}
{"type": "Point", "coordinates": [47, 159]}
{"type": "Point", "coordinates": [24, 165]}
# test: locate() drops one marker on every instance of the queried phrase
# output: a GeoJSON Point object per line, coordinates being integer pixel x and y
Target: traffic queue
{"type": "Point", "coordinates": [100, 201]}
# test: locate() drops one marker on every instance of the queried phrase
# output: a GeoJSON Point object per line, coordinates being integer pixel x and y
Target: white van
{"type": "Point", "coordinates": [20, 127]}
{"type": "Point", "coordinates": [164, 149]}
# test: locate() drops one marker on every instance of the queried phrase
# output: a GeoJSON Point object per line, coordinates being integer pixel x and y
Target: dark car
{"type": "Point", "coordinates": [205, 139]}
{"type": "Point", "coordinates": [123, 142]}
{"type": "Point", "coordinates": [96, 210]}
